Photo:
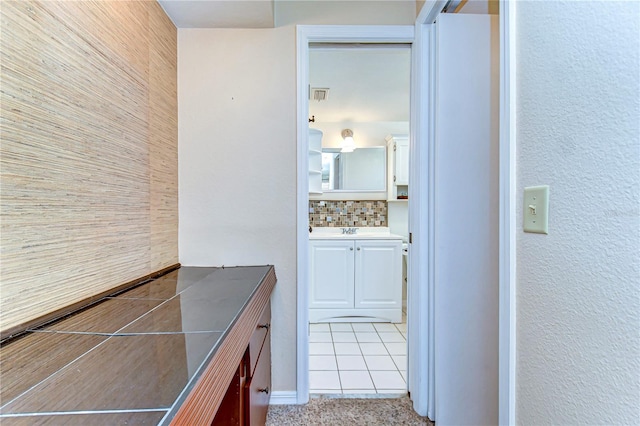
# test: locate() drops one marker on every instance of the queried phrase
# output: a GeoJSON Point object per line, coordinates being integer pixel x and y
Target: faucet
{"type": "Point", "coordinates": [349, 230]}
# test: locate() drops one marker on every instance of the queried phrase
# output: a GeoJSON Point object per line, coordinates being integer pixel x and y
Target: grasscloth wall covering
{"type": "Point", "coordinates": [88, 162]}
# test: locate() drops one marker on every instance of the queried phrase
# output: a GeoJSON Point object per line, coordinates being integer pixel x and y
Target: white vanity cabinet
{"type": "Point", "coordinates": [355, 278]}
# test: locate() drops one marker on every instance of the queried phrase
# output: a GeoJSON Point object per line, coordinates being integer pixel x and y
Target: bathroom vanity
{"type": "Point", "coordinates": [355, 276]}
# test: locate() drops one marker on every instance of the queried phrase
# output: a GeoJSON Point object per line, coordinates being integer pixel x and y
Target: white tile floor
{"type": "Point", "coordinates": [357, 358]}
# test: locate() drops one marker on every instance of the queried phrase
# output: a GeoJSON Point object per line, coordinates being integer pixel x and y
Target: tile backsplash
{"type": "Point", "coordinates": [347, 213]}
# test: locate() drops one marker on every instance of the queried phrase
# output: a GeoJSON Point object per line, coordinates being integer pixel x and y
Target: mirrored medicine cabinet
{"type": "Point", "coordinates": [362, 170]}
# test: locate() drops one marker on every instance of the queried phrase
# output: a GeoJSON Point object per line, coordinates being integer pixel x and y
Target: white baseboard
{"type": "Point", "coordinates": [283, 398]}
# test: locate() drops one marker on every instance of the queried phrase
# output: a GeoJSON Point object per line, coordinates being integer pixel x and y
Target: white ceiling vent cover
{"type": "Point", "coordinates": [319, 94]}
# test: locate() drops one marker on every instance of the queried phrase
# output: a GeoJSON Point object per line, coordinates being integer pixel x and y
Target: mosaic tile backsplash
{"type": "Point", "coordinates": [347, 213]}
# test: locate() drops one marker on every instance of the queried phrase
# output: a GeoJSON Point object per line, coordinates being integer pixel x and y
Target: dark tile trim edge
{"type": "Point", "coordinates": [17, 330]}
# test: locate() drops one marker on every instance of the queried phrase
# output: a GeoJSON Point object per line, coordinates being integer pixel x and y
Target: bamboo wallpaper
{"type": "Point", "coordinates": [88, 154]}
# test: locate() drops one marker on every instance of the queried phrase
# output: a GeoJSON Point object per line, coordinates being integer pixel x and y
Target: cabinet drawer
{"type": "Point", "coordinates": [258, 388]}
{"type": "Point", "coordinates": [259, 336]}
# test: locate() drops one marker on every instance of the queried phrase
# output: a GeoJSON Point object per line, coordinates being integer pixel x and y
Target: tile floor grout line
{"type": "Point", "coordinates": [371, 377]}
{"type": "Point", "coordinates": [367, 365]}
{"type": "Point", "coordinates": [335, 357]}
{"type": "Point", "coordinates": [335, 354]}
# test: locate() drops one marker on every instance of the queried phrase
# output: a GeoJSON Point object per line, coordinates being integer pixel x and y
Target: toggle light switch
{"type": "Point", "coordinates": [536, 209]}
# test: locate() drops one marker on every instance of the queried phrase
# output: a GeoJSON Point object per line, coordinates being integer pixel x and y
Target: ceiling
{"type": "Point", "coordinates": [220, 13]}
{"type": "Point", "coordinates": [365, 84]}
{"type": "Point", "coordinates": [260, 13]}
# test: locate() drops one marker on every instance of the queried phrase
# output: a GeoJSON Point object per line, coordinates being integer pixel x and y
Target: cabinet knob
{"type": "Point", "coordinates": [267, 325]}
{"type": "Point", "coordinates": [264, 390]}
{"type": "Point", "coordinates": [358, 248]}
{"type": "Point", "coordinates": [351, 248]}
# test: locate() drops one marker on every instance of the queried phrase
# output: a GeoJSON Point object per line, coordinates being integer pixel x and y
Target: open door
{"type": "Point", "coordinates": [466, 219]}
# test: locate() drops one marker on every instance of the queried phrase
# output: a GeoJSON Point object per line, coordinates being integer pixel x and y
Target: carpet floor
{"type": "Point", "coordinates": [328, 411]}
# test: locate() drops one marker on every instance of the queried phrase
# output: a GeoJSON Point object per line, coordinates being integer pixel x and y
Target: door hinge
{"type": "Point", "coordinates": [394, 178]}
{"type": "Point", "coordinates": [410, 237]}
{"type": "Point", "coordinates": [394, 146]}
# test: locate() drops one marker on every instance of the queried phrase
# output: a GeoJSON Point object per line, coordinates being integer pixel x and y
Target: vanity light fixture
{"type": "Point", "coordinates": [348, 145]}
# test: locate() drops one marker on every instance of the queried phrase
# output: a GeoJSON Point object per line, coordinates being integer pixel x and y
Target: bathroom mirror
{"type": "Point", "coordinates": [362, 170]}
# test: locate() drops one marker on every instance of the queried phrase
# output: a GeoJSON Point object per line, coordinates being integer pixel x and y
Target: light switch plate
{"type": "Point", "coordinates": [536, 209]}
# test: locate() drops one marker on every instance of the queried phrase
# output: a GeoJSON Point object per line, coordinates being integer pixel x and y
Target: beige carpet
{"type": "Point", "coordinates": [351, 412]}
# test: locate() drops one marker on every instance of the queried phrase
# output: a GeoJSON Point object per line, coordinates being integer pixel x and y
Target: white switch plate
{"type": "Point", "coordinates": [536, 209]}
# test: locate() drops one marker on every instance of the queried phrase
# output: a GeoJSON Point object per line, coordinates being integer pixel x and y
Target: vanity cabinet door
{"type": "Point", "coordinates": [331, 266]}
{"type": "Point", "coordinates": [378, 281]}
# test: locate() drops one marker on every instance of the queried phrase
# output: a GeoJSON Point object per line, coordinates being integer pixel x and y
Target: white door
{"type": "Point", "coordinates": [331, 274]}
{"type": "Point", "coordinates": [466, 220]}
{"type": "Point", "coordinates": [378, 280]}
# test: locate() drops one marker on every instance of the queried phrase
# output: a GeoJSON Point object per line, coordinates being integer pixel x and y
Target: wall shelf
{"type": "Point", "coordinates": [315, 161]}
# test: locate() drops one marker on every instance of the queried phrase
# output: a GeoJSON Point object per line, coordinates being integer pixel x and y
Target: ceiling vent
{"type": "Point", "coordinates": [319, 94]}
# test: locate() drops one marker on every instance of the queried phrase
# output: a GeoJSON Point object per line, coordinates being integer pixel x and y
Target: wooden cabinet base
{"type": "Point", "coordinates": [232, 409]}
{"type": "Point", "coordinates": [247, 398]}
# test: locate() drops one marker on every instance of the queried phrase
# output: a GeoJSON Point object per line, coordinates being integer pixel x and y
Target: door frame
{"type": "Point", "coordinates": [421, 300]}
{"type": "Point", "coordinates": [507, 217]}
{"type": "Point", "coordinates": [425, 76]}
{"type": "Point", "coordinates": [307, 34]}
{"type": "Point", "coordinates": [420, 212]}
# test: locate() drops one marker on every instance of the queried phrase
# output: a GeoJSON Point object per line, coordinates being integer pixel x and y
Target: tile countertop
{"type": "Point", "coordinates": [364, 233]}
{"type": "Point", "coordinates": [130, 359]}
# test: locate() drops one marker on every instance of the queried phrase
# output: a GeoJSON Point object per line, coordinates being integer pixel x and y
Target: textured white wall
{"type": "Point", "coordinates": [237, 150]}
{"type": "Point", "coordinates": [578, 288]}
